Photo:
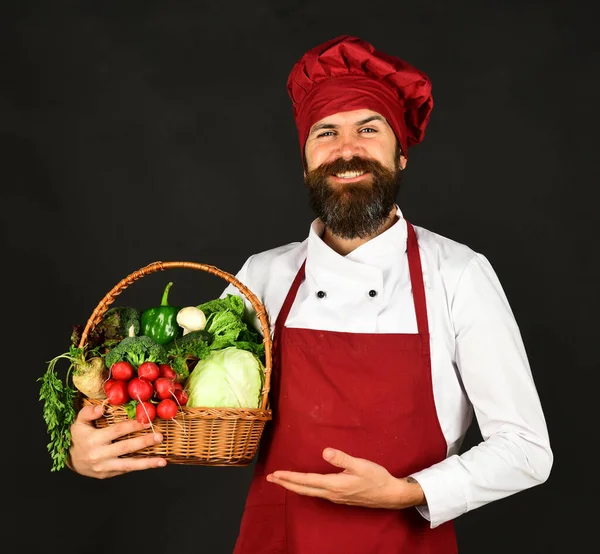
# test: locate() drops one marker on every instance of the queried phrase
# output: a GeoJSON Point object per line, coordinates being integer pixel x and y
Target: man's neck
{"type": "Point", "coordinates": [345, 246]}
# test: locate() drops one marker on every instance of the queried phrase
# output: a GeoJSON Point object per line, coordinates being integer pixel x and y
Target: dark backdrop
{"type": "Point", "coordinates": [142, 130]}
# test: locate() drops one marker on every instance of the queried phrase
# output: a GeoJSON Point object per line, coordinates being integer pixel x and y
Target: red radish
{"type": "Point", "coordinates": [122, 371]}
{"type": "Point", "coordinates": [178, 385]}
{"type": "Point", "coordinates": [145, 412]}
{"type": "Point", "coordinates": [164, 387]}
{"type": "Point", "coordinates": [167, 371]}
{"type": "Point", "coordinates": [181, 396]}
{"type": "Point", "coordinates": [140, 389]}
{"type": "Point", "coordinates": [117, 393]}
{"type": "Point", "coordinates": [166, 409]}
{"type": "Point", "coordinates": [148, 371]}
{"type": "Point", "coordinates": [108, 383]}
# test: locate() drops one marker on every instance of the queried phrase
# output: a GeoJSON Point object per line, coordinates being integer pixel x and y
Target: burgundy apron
{"type": "Point", "coordinates": [367, 394]}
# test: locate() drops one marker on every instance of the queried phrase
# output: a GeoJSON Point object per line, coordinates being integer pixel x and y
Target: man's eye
{"type": "Point", "coordinates": [369, 130]}
{"type": "Point", "coordinates": [325, 134]}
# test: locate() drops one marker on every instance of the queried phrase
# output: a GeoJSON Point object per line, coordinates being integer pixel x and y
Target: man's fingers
{"type": "Point", "coordinates": [129, 446]}
{"type": "Point", "coordinates": [118, 430]}
{"type": "Point", "coordinates": [312, 480]}
{"type": "Point", "coordinates": [113, 449]}
{"type": "Point", "coordinates": [118, 466]}
{"type": "Point", "coordinates": [297, 482]}
{"type": "Point", "coordinates": [139, 463]}
{"type": "Point", "coordinates": [114, 459]}
{"type": "Point", "coordinates": [134, 463]}
{"type": "Point", "coordinates": [109, 436]}
{"type": "Point", "coordinates": [88, 414]}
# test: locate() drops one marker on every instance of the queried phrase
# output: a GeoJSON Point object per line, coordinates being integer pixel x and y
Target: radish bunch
{"type": "Point", "coordinates": [153, 387]}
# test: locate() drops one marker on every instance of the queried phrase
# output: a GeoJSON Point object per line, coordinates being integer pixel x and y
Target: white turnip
{"type": "Point", "coordinates": [89, 378]}
{"type": "Point", "coordinates": [191, 318]}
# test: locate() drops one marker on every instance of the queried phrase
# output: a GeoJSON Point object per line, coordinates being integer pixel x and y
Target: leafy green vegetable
{"type": "Point", "coordinates": [226, 325]}
{"type": "Point", "coordinates": [117, 323]}
{"type": "Point", "coordinates": [59, 406]}
{"type": "Point", "coordinates": [226, 378]}
{"type": "Point", "coordinates": [231, 302]}
{"type": "Point", "coordinates": [136, 350]}
{"type": "Point", "coordinates": [129, 408]}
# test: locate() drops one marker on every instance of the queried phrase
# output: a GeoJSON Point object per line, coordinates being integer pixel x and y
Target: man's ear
{"type": "Point", "coordinates": [402, 161]}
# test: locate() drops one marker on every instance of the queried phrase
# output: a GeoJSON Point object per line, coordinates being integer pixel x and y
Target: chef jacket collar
{"type": "Point", "coordinates": [359, 271]}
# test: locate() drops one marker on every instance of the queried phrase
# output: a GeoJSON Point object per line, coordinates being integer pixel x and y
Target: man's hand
{"type": "Point", "coordinates": [94, 454]}
{"type": "Point", "coordinates": [362, 483]}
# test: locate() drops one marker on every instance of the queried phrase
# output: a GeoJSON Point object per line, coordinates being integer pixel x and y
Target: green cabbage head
{"type": "Point", "coordinates": [227, 378]}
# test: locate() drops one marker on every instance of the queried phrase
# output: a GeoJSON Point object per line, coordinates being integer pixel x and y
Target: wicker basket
{"type": "Point", "coordinates": [196, 436]}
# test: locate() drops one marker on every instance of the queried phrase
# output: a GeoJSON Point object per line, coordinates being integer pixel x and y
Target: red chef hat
{"type": "Point", "coordinates": [347, 73]}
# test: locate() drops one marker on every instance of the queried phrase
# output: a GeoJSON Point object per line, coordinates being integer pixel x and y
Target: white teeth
{"type": "Point", "coordinates": [349, 174]}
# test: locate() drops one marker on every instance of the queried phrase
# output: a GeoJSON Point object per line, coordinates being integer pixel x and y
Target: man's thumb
{"type": "Point", "coordinates": [87, 414]}
{"type": "Point", "coordinates": [338, 458]}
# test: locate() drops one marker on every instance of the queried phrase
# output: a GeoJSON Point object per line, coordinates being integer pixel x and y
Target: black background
{"type": "Point", "coordinates": [142, 130]}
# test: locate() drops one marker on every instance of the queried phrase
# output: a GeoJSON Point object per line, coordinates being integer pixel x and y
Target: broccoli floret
{"type": "Point", "coordinates": [137, 350]}
{"type": "Point", "coordinates": [120, 321]}
{"type": "Point", "coordinates": [180, 367]}
{"type": "Point", "coordinates": [190, 339]}
{"type": "Point", "coordinates": [194, 343]}
{"type": "Point", "coordinates": [189, 347]}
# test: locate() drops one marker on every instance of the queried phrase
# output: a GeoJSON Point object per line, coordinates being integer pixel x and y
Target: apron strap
{"type": "Point", "coordinates": [285, 310]}
{"type": "Point", "coordinates": [416, 280]}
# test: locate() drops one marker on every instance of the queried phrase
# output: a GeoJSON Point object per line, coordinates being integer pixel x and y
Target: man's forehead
{"type": "Point", "coordinates": [353, 117]}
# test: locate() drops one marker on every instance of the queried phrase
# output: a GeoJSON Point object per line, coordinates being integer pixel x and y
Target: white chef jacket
{"type": "Point", "coordinates": [478, 359]}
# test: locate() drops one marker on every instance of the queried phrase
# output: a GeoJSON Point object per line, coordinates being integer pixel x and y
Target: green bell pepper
{"type": "Point", "coordinates": [160, 322]}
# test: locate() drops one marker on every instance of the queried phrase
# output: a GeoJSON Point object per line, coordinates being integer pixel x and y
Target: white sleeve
{"type": "Point", "coordinates": [515, 452]}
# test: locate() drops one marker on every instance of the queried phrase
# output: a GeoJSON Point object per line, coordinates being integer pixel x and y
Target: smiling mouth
{"type": "Point", "coordinates": [349, 176]}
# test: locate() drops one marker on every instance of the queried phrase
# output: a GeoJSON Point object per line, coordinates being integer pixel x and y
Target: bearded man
{"type": "Point", "coordinates": [387, 338]}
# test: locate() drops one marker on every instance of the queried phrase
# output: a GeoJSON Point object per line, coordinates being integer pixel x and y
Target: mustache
{"type": "Point", "coordinates": [355, 163]}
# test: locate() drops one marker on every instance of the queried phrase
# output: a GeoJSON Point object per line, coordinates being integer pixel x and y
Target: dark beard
{"type": "Point", "coordinates": [353, 210]}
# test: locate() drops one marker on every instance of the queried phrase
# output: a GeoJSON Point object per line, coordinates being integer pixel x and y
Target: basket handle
{"type": "Point", "coordinates": [261, 313]}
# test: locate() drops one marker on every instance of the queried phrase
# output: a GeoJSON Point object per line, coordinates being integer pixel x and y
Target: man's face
{"type": "Point", "coordinates": [352, 170]}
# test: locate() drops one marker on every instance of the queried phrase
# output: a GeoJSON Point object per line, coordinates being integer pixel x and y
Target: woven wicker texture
{"type": "Point", "coordinates": [197, 436]}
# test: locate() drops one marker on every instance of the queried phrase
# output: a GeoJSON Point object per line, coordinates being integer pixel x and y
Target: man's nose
{"type": "Point", "coordinates": [349, 147]}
